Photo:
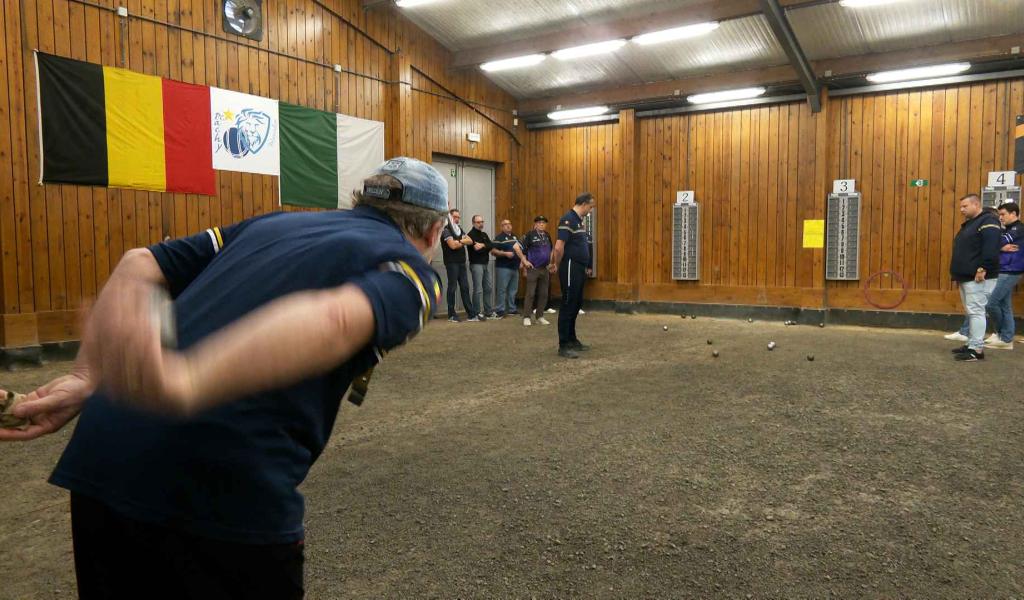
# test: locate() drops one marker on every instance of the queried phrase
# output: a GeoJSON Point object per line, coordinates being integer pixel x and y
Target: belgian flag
{"type": "Point", "coordinates": [1018, 163]}
{"type": "Point", "coordinates": [112, 127]}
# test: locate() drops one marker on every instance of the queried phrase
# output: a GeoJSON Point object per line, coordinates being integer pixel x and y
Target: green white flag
{"type": "Point", "coordinates": [324, 156]}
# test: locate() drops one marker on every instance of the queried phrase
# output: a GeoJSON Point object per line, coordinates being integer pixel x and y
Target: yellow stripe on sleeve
{"type": "Point", "coordinates": [220, 240]}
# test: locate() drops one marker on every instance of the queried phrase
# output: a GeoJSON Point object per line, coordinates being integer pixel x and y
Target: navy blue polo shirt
{"type": "Point", "coordinates": [506, 242]}
{"type": "Point", "coordinates": [231, 472]}
{"type": "Point", "coordinates": [574, 234]}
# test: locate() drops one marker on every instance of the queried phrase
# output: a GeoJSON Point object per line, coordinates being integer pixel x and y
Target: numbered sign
{"type": "Point", "coordinates": [1001, 178]}
{"type": "Point", "coordinates": [843, 186]}
{"type": "Point", "coordinates": [685, 197]}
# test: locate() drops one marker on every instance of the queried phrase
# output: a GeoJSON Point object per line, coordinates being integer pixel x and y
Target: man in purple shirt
{"type": "Point", "coordinates": [537, 245]}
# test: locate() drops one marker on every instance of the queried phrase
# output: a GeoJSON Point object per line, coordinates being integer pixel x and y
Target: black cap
{"type": "Point", "coordinates": [540, 218]}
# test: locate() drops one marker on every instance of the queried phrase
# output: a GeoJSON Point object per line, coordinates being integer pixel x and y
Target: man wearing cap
{"type": "Point", "coordinates": [453, 247]}
{"type": "Point", "coordinates": [184, 465]}
{"type": "Point", "coordinates": [506, 268]}
{"type": "Point", "coordinates": [537, 245]}
{"type": "Point", "coordinates": [571, 258]}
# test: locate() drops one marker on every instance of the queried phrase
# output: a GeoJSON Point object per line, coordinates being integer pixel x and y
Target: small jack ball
{"type": "Point", "coordinates": [771, 346]}
{"type": "Point", "coordinates": [664, 327]}
{"type": "Point", "coordinates": [714, 353]}
{"type": "Point", "coordinates": [821, 324]}
{"type": "Point", "coordinates": [693, 316]}
{"type": "Point", "coordinates": [810, 357]}
{"type": "Point", "coordinates": [750, 320]}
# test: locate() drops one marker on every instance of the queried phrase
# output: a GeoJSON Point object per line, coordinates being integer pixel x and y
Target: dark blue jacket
{"type": "Point", "coordinates": [1012, 262]}
{"type": "Point", "coordinates": [976, 246]}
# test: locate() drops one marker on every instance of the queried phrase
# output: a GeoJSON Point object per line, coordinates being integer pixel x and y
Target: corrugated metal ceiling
{"type": "Point", "coordinates": [830, 30]}
{"type": "Point", "coordinates": [825, 30]}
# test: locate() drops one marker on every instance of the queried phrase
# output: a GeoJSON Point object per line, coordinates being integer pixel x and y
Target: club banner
{"type": "Point", "coordinates": [246, 133]}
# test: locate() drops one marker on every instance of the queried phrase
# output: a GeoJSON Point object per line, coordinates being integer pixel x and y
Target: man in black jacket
{"type": "Point", "coordinates": [453, 242]}
{"type": "Point", "coordinates": [480, 269]}
{"type": "Point", "coordinates": [975, 266]}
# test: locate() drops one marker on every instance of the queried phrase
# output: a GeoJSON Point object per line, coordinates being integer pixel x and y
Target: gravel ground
{"type": "Point", "coordinates": [648, 468]}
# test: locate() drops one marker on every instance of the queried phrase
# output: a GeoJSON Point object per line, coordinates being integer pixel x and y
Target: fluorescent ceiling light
{"type": "Point", "coordinates": [726, 96]}
{"type": "Point", "coordinates": [919, 73]}
{"type": "Point", "coordinates": [589, 49]}
{"type": "Point", "coordinates": [513, 63]}
{"type": "Point", "coordinates": [577, 113]}
{"type": "Point", "coordinates": [678, 33]}
{"type": "Point", "coordinates": [409, 3]}
{"type": "Point", "coordinates": [865, 3]}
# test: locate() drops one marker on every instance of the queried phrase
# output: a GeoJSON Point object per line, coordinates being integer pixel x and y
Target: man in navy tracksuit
{"type": "Point", "coordinates": [1011, 267]}
{"type": "Point", "coordinates": [571, 258]}
{"type": "Point", "coordinates": [975, 267]}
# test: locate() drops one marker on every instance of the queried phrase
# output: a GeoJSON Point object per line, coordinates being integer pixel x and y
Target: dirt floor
{"type": "Point", "coordinates": [646, 469]}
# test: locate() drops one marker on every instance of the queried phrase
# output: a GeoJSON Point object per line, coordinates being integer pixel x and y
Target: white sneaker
{"type": "Point", "coordinates": [550, 311]}
{"type": "Point", "coordinates": [955, 337]}
{"type": "Point", "coordinates": [543, 321]}
{"type": "Point", "coordinates": [582, 312]}
{"type": "Point", "coordinates": [999, 344]}
{"type": "Point", "coordinates": [992, 338]}
{"type": "Point", "coordinates": [526, 322]}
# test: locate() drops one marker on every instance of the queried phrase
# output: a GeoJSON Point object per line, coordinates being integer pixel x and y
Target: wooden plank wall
{"type": "Point", "coordinates": [59, 243]}
{"type": "Point", "coordinates": [758, 173]}
{"type": "Point", "coordinates": [550, 179]}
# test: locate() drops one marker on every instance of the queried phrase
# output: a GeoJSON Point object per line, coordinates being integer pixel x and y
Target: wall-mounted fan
{"type": "Point", "coordinates": [243, 17]}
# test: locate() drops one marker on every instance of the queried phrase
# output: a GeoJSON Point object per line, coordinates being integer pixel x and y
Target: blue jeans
{"type": "Point", "coordinates": [508, 286]}
{"type": "Point", "coordinates": [482, 288]}
{"type": "Point", "coordinates": [975, 297]}
{"type": "Point", "coordinates": [1000, 307]}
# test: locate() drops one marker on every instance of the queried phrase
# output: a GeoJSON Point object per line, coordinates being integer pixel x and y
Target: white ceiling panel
{"type": "Point", "coordinates": [737, 44]}
{"type": "Point", "coordinates": [831, 30]}
{"type": "Point", "coordinates": [462, 24]}
{"type": "Point", "coordinates": [825, 30]}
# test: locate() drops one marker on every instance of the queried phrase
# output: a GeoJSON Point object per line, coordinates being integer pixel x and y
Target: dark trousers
{"type": "Point", "coordinates": [572, 275]}
{"type": "Point", "coordinates": [457, 277]}
{"type": "Point", "coordinates": [117, 557]}
{"type": "Point", "coordinates": [537, 282]}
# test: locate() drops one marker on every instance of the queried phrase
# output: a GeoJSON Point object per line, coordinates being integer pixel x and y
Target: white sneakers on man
{"type": "Point", "coordinates": [995, 343]}
{"type": "Point", "coordinates": [543, 321]}
{"type": "Point", "coordinates": [550, 311]}
{"type": "Point", "coordinates": [526, 322]}
{"type": "Point", "coordinates": [955, 337]}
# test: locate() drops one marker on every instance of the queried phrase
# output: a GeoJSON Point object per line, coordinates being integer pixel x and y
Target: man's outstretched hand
{"type": "Point", "coordinates": [50, 407]}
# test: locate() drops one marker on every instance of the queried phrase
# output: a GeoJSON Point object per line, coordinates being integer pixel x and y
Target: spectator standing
{"type": "Point", "coordinates": [506, 269]}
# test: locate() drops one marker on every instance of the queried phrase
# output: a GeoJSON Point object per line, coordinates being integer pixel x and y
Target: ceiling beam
{"type": "Point", "coordinates": [776, 17]}
{"type": "Point", "coordinates": [976, 50]}
{"type": "Point", "coordinates": [700, 12]}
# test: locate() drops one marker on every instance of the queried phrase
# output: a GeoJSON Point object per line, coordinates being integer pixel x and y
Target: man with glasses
{"type": "Point", "coordinates": [480, 269]}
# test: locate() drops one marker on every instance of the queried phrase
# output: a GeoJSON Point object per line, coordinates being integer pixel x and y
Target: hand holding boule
{"type": "Point", "coordinates": [7, 419]}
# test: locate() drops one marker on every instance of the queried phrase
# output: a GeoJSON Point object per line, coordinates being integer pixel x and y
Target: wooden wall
{"type": "Point", "coordinates": [758, 173]}
{"type": "Point", "coordinates": [59, 243]}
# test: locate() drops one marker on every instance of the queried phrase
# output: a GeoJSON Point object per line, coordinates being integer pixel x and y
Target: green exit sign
{"type": "Point", "coordinates": [918, 183]}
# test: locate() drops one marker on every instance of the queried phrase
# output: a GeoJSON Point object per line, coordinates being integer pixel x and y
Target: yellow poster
{"type": "Point", "coordinates": [814, 233]}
